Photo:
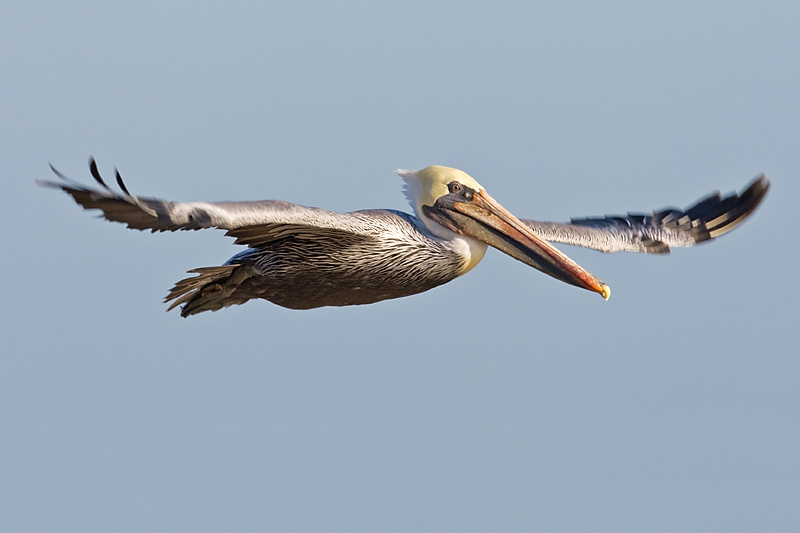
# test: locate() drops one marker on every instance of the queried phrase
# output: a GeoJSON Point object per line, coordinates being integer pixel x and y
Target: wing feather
{"type": "Point", "coordinates": [262, 234]}
{"type": "Point", "coordinates": [707, 219]}
{"type": "Point", "coordinates": [154, 214]}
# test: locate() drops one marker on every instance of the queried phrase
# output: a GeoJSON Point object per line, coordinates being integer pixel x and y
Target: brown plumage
{"type": "Point", "coordinates": [304, 257]}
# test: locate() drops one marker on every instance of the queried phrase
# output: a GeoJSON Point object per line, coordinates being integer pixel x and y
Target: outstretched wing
{"type": "Point", "coordinates": [655, 234]}
{"type": "Point", "coordinates": [160, 215]}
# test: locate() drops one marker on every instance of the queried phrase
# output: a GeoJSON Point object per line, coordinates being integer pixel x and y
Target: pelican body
{"type": "Point", "coordinates": [305, 257]}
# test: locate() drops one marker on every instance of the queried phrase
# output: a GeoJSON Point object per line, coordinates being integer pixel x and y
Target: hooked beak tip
{"type": "Point", "coordinates": [605, 291]}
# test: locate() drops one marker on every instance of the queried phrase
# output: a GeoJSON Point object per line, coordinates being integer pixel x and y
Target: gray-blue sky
{"type": "Point", "coordinates": [504, 400]}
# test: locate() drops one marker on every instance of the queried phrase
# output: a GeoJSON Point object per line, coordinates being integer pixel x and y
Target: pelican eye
{"type": "Point", "coordinates": [461, 190]}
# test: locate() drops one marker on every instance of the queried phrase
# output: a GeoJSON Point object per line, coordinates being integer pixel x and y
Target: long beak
{"type": "Point", "coordinates": [478, 215]}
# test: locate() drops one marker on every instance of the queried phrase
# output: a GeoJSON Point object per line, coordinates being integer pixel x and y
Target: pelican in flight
{"type": "Point", "coordinates": [305, 257]}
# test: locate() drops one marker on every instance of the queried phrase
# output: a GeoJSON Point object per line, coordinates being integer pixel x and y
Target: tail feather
{"type": "Point", "coordinates": [212, 289]}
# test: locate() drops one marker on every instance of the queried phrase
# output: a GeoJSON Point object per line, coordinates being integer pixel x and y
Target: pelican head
{"type": "Point", "coordinates": [451, 203]}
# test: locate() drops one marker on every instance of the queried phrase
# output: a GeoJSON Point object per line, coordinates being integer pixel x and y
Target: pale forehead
{"type": "Point", "coordinates": [443, 175]}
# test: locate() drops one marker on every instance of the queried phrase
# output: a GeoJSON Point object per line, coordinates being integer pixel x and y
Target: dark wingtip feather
{"type": "Point", "coordinates": [57, 172]}
{"type": "Point", "coordinates": [63, 177]}
{"type": "Point", "coordinates": [96, 173]}
{"type": "Point", "coordinates": [739, 207]}
{"type": "Point", "coordinates": [121, 183]}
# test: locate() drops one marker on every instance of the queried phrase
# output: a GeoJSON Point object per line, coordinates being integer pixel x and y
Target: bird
{"type": "Point", "coordinates": [306, 257]}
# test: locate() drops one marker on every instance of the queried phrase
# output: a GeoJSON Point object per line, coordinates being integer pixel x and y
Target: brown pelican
{"type": "Point", "coordinates": [305, 257]}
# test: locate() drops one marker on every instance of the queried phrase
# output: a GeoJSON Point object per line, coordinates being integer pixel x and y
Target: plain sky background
{"type": "Point", "coordinates": [503, 401]}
